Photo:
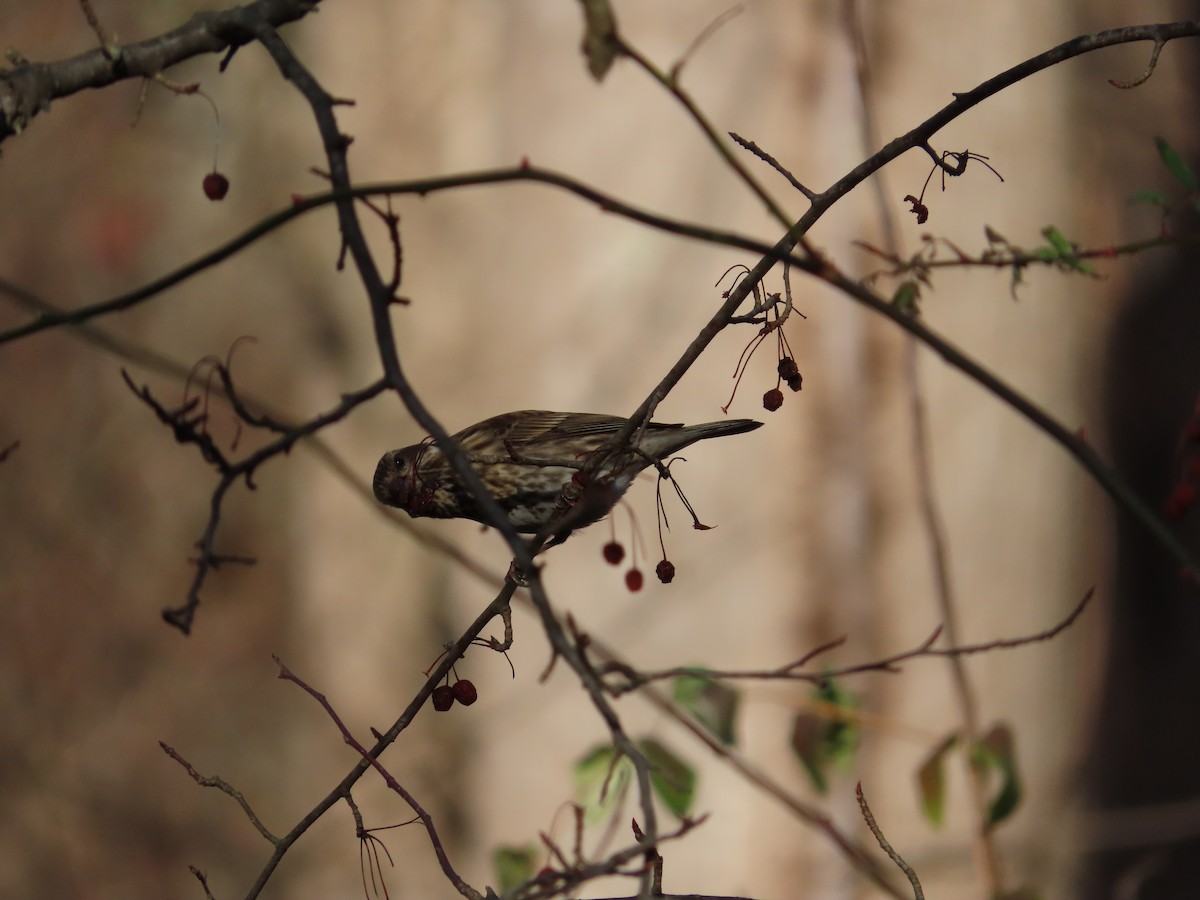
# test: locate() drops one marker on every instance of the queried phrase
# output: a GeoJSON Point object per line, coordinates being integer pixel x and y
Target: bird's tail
{"type": "Point", "coordinates": [663, 440]}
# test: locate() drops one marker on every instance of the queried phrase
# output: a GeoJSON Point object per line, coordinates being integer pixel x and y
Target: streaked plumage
{"type": "Point", "coordinates": [526, 459]}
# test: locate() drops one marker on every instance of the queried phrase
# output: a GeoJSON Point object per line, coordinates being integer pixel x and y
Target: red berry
{"type": "Point", "coordinates": [443, 697]}
{"type": "Point", "coordinates": [633, 579]}
{"type": "Point", "coordinates": [665, 571]}
{"type": "Point", "coordinates": [614, 553]}
{"type": "Point", "coordinates": [464, 692]}
{"type": "Point", "coordinates": [772, 399]}
{"type": "Point", "coordinates": [216, 186]}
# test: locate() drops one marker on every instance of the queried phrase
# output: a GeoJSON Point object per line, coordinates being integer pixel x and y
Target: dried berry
{"type": "Point", "coordinates": [215, 185]}
{"type": "Point", "coordinates": [633, 579]}
{"type": "Point", "coordinates": [443, 697]}
{"type": "Point", "coordinates": [464, 692]}
{"type": "Point", "coordinates": [795, 383]}
{"type": "Point", "coordinates": [772, 399]}
{"type": "Point", "coordinates": [665, 571]}
{"type": "Point", "coordinates": [614, 553]}
{"type": "Point", "coordinates": [787, 368]}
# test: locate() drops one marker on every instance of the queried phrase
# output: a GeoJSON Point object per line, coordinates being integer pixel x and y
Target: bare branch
{"type": "Point", "coordinates": [28, 88]}
{"type": "Point", "coordinates": [224, 787]}
{"type": "Point", "coordinates": [904, 867]}
{"type": "Point", "coordinates": [427, 820]}
{"type": "Point", "coordinates": [633, 679]}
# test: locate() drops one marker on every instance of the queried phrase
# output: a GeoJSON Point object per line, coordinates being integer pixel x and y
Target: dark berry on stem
{"type": "Point", "coordinates": [464, 692]}
{"type": "Point", "coordinates": [633, 579]}
{"type": "Point", "coordinates": [772, 399]}
{"type": "Point", "coordinates": [665, 571]}
{"type": "Point", "coordinates": [215, 185]}
{"type": "Point", "coordinates": [614, 553]}
{"type": "Point", "coordinates": [443, 697]}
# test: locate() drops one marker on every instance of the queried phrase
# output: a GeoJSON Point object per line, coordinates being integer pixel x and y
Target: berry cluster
{"type": "Point", "coordinates": [786, 368]}
{"type": "Point", "coordinates": [444, 695]}
{"type": "Point", "coordinates": [614, 555]}
{"type": "Point", "coordinates": [789, 373]}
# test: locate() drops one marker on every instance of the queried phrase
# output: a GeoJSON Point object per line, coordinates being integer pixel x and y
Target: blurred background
{"type": "Point", "coordinates": [523, 297]}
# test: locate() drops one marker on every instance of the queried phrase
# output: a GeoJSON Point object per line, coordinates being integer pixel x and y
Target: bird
{"type": "Point", "coordinates": [541, 467]}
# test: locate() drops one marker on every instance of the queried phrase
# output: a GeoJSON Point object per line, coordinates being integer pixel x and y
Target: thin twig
{"type": "Point", "coordinates": [633, 679]}
{"type": "Point", "coordinates": [224, 787]}
{"type": "Point", "coordinates": [766, 157]}
{"type": "Point", "coordinates": [904, 867]}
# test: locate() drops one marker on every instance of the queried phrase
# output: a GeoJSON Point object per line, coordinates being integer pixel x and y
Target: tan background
{"type": "Point", "coordinates": [525, 297]}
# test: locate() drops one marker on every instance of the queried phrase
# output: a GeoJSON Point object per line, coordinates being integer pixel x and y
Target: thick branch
{"type": "Point", "coordinates": [28, 88]}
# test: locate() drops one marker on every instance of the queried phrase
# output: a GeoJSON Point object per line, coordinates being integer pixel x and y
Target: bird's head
{"type": "Point", "coordinates": [397, 482]}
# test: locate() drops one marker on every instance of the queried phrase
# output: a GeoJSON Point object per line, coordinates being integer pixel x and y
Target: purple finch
{"type": "Point", "coordinates": [540, 467]}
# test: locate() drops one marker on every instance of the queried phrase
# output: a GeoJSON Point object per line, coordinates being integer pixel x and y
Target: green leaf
{"type": "Point", "coordinates": [713, 704]}
{"type": "Point", "coordinates": [1065, 252]}
{"type": "Point", "coordinates": [514, 865]}
{"type": "Point", "coordinates": [672, 779]}
{"type": "Point", "coordinates": [931, 782]}
{"type": "Point", "coordinates": [601, 779]}
{"type": "Point", "coordinates": [1062, 247]}
{"type": "Point", "coordinates": [906, 296]}
{"type": "Point", "coordinates": [842, 734]}
{"type": "Point", "coordinates": [600, 45]}
{"type": "Point", "coordinates": [994, 753]}
{"type": "Point", "coordinates": [1153, 198]}
{"type": "Point", "coordinates": [807, 728]}
{"type": "Point", "coordinates": [1179, 169]}
{"type": "Point", "coordinates": [827, 735]}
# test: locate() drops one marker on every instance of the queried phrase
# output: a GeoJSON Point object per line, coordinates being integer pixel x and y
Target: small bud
{"type": "Point", "coordinates": [464, 692]}
{"type": "Point", "coordinates": [665, 571]}
{"type": "Point", "coordinates": [633, 580]}
{"type": "Point", "coordinates": [614, 553]}
{"type": "Point", "coordinates": [215, 185]}
{"type": "Point", "coordinates": [443, 697]}
{"type": "Point", "coordinates": [772, 399]}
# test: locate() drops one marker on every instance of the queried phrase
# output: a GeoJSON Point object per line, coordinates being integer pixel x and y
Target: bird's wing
{"type": "Point", "coordinates": [532, 426]}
